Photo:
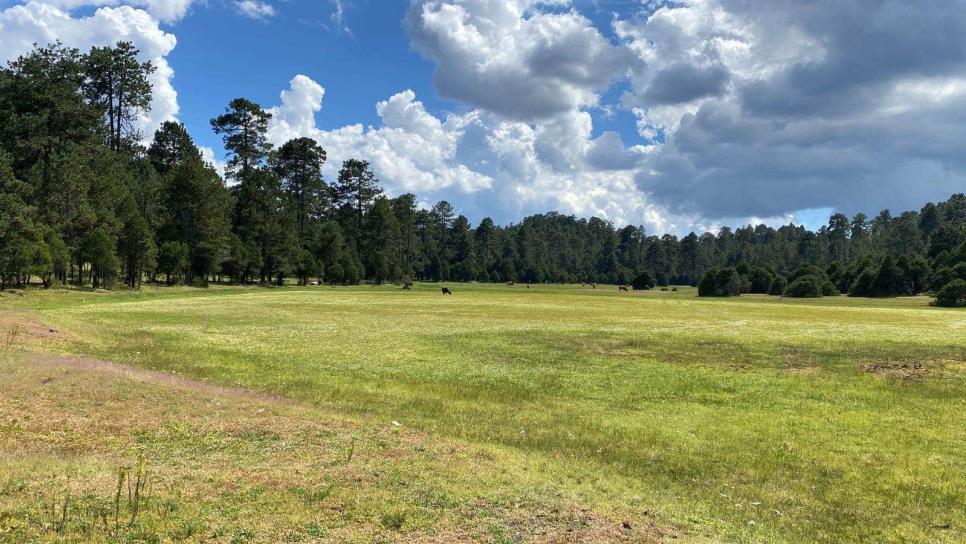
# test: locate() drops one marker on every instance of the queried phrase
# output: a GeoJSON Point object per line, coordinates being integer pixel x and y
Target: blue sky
{"type": "Point", "coordinates": [213, 65]}
{"type": "Point", "coordinates": [676, 115]}
{"type": "Point", "coordinates": [366, 60]}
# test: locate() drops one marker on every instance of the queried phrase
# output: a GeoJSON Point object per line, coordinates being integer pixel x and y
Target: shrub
{"type": "Point", "coordinates": [953, 295]}
{"type": "Point", "coordinates": [720, 283]}
{"type": "Point", "coordinates": [335, 274]}
{"type": "Point", "coordinates": [862, 285]}
{"type": "Point", "coordinates": [940, 278]}
{"type": "Point", "coordinates": [706, 287]}
{"type": "Point", "coordinates": [804, 287]}
{"type": "Point", "coordinates": [643, 282]}
{"type": "Point", "coordinates": [761, 280]}
{"type": "Point", "coordinates": [778, 286]}
{"type": "Point", "coordinates": [829, 289]}
{"type": "Point", "coordinates": [806, 270]}
{"type": "Point", "coordinates": [888, 279]}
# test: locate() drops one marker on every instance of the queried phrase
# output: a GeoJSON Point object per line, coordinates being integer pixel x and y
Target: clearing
{"type": "Point", "coordinates": [552, 414]}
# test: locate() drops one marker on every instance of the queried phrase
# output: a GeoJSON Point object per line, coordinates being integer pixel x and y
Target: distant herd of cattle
{"type": "Point", "coordinates": [408, 286]}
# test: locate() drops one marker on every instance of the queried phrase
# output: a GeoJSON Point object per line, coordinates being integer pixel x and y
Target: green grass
{"type": "Point", "coordinates": [752, 419]}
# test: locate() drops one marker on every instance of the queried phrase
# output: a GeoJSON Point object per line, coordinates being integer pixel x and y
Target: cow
{"type": "Point", "coordinates": [510, 284]}
{"type": "Point", "coordinates": [408, 286]}
{"type": "Point", "coordinates": [594, 285]}
{"type": "Point", "coordinates": [528, 286]}
{"type": "Point", "coordinates": [446, 291]}
{"type": "Point", "coordinates": [623, 289]}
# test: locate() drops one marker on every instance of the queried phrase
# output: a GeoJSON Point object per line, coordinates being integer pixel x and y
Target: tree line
{"type": "Point", "coordinates": [84, 201]}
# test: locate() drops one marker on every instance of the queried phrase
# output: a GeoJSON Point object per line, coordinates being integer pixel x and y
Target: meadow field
{"type": "Point", "coordinates": [551, 414]}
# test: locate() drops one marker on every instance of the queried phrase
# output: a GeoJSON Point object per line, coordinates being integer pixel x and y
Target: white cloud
{"type": "Point", "coordinates": [255, 9]}
{"type": "Point", "coordinates": [480, 162]}
{"type": "Point", "coordinates": [338, 15]}
{"type": "Point", "coordinates": [767, 109]}
{"type": "Point", "coordinates": [208, 155]}
{"type": "Point", "coordinates": [44, 22]}
{"type": "Point", "coordinates": [514, 57]}
{"type": "Point", "coordinates": [167, 11]}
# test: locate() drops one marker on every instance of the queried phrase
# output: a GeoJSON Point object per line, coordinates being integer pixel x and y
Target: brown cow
{"type": "Point", "coordinates": [623, 289]}
{"type": "Point", "coordinates": [408, 286]}
{"type": "Point", "coordinates": [446, 291]}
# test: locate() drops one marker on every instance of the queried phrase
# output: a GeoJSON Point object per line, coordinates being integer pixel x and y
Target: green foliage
{"type": "Point", "coordinates": [952, 295]}
{"type": "Point", "coordinates": [778, 286]}
{"type": "Point", "coordinates": [22, 248]}
{"type": "Point", "coordinates": [760, 280]}
{"type": "Point", "coordinates": [723, 282]}
{"type": "Point", "coordinates": [173, 260]}
{"type": "Point", "coordinates": [117, 84]}
{"type": "Point", "coordinates": [804, 287]}
{"type": "Point", "coordinates": [863, 284]}
{"type": "Point", "coordinates": [98, 251]}
{"type": "Point", "coordinates": [643, 282]}
{"type": "Point", "coordinates": [244, 128]}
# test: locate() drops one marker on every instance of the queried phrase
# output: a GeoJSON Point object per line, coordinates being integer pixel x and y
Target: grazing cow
{"type": "Point", "coordinates": [408, 286]}
{"type": "Point", "coordinates": [510, 284]}
{"type": "Point", "coordinates": [623, 289]}
{"type": "Point", "coordinates": [446, 291]}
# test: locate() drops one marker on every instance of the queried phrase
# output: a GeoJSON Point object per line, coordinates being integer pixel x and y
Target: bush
{"type": "Point", "coordinates": [778, 286]}
{"type": "Point", "coordinates": [806, 270]}
{"type": "Point", "coordinates": [720, 283]}
{"type": "Point", "coordinates": [953, 295]}
{"type": "Point", "coordinates": [804, 287]}
{"type": "Point", "coordinates": [862, 286]}
{"type": "Point", "coordinates": [829, 289]}
{"type": "Point", "coordinates": [941, 277]}
{"type": "Point", "coordinates": [761, 280]}
{"type": "Point", "coordinates": [706, 287]}
{"type": "Point", "coordinates": [643, 282]}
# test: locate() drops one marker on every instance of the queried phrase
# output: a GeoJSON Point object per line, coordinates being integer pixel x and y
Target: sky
{"type": "Point", "coordinates": [675, 115]}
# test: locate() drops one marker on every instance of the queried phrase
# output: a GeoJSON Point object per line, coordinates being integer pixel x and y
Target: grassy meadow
{"type": "Point", "coordinates": [551, 414]}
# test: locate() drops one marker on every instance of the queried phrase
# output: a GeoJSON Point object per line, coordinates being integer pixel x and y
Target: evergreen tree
{"type": "Point", "coordinates": [117, 84]}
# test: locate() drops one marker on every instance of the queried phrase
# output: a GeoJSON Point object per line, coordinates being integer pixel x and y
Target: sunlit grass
{"type": "Point", "coordinates": [758, 418]}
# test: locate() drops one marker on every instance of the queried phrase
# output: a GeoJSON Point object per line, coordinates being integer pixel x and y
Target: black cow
{"type": "Point", "coordinates": [446, 291]}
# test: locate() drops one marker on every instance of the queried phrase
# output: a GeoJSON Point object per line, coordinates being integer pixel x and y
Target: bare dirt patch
{"type": "Point", "coordinates": [16, 327]}
{"type": "Point", "coordinates": [905, 370]}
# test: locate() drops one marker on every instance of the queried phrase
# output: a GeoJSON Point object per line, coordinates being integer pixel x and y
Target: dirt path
{"type": "Point", "coordinates": [58, 361]}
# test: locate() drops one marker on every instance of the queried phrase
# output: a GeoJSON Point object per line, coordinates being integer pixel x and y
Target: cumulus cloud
{"type": "Point", "coordinates": [513, 57]}
{"type": "Point", "coordinates": [769, 108]}
{"type": "Point", "coordinates": [44, 22]}
{"type": "Point", "coordinates": [484, 164]}
{"type": "Point", "coordinates": [255, 9]}
{"type": "Point", "coordinates": [168, 11]}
